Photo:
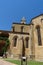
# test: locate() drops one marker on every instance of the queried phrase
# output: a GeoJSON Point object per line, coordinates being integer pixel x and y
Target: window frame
{"type": "Point", "coordinates": [22, 28]}
{"type": "Point", "coordinates": [39, 35]}
{"type": "Point", "coordinates": [27, 42]}
{"type": "Point", "coordinates": [15, 41]}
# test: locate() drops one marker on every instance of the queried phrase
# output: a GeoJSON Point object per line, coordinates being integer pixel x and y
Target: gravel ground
{"type": "Point", "coordinates": [2, 62]}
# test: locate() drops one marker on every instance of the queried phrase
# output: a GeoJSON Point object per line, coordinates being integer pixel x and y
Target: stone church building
{"type": "Point", "coordinates": [26, 39]}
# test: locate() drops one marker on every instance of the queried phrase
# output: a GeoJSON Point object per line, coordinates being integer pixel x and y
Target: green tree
{"type": "Point", "coordinates": [7, 43]}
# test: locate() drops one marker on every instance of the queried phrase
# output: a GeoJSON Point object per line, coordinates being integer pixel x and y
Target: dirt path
{"type": "Point", "coordinates": [2, 62]}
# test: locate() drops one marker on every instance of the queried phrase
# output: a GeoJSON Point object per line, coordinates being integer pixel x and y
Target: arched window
{"type": "Point", "coordinates": [15, 40]}
{"type": "Point", "coordinates": [22, 28]}
{"type": "Point", "coordinates": [13, 29]}
{"type": "Point", "coordinates": [27, 39]}
{"type": "Point", "coordinates": [39, 35]}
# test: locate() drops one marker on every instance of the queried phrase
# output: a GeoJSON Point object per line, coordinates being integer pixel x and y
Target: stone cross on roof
{"type": "Point", "coordinates": [23, 20]}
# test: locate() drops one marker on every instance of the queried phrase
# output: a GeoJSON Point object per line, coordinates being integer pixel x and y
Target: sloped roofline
{"type": "Point", "coordinates": [37, 16]}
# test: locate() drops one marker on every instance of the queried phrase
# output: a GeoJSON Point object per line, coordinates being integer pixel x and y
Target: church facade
{"type": "Point", "coordinates": [31, 35]}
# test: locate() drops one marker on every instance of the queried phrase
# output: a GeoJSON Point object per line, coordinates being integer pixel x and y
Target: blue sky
{"type": "Point", "coordinates": [13, 11]}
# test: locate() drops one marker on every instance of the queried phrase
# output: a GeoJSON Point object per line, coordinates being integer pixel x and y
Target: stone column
{"type": "Point", "coordinates": [32, 42]}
